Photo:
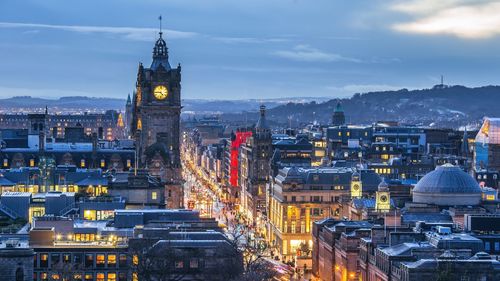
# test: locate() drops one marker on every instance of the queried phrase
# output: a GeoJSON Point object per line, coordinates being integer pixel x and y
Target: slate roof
{"type": "Point", "coordinates": [447, 179]}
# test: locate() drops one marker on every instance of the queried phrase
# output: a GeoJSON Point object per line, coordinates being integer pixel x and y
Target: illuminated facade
{"type": "Point", "coordinates": [487, 146]}
{"type": "Point", "coordinates": [105, 125]}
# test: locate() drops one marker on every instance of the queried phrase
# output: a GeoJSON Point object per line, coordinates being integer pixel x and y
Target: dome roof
{"type": "Point", "coordinates": [447, 179]}
{"type": "Point", "coordinates": [383, 186]}
{"type": "Point", "coordinates": [447, 185]}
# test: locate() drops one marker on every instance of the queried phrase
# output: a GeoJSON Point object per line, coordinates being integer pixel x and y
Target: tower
{"type": "Point", "coordinates": [383, 197]}
{"type": "Point", "coordinates": [155, 124]}
{"type": "Point", "coordinates": [356, 185]}
{"type": "Point", "coordinates": [128, 115]}
{"type": "Point", "coordinates": [37, 130]}
{"type": "Point", "coordinates": [258, 153]}
{"type": "Point", "coordinates": [338, 118]}
{"type": "Point", "coordinates": [262, 146]}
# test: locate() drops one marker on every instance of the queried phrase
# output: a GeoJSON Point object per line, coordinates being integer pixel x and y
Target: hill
{"type": "Point", "coordinates": [439, 106]}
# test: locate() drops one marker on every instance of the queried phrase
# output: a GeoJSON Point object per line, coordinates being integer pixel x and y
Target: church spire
{"type": "Point", "coordinates": [129, 101]}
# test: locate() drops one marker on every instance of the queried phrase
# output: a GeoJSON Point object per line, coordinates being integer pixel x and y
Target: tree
{"type": "Point", "coordinates": [255, 267]}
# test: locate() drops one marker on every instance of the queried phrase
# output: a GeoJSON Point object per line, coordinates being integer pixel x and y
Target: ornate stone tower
{"type": "Point", "coordinates": [128, 116]}
{"type": "Point", "coordinates": [356, 185]}
{"type": "Point", "coordinates": [338, 117]}
{"type": "Point", "coordinates": [383, 197]}
{"type": "Point", "coordinates": [260, 149]}
{"type": "Point", "coordinates": [156, 110]}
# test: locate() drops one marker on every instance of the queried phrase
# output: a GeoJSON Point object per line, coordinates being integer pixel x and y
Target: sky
{"type": "Point", "coordinates": [240, 49]}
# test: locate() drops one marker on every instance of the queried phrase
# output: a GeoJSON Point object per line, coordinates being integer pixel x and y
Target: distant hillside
{"type": "Point", "coordinates": [91, 104]}
{"type": "Point", "coordinates": [439, 106]}
{"type": "Point", "coordinates": [63, 104]}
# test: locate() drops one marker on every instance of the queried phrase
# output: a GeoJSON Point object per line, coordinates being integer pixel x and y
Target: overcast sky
{"type": "Point", "coordinates": [235, 49]}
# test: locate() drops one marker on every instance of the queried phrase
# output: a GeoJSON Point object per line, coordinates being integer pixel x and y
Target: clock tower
{"type": "Point", "coordinates": [356, 185]}
{"type": "Point", "coordinates": [156, 118]}
{"type": "Point", "coordinates": [383, 197]}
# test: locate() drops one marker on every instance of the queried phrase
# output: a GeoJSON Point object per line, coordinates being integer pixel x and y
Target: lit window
{"type": "Point", "coordinates": [135, 277]}
{"type": "Point", "coordinates": [129, 163]}
{"type": "Point", "coordinates": [154, 195]}
{"type": "Point", "coordinates": [111, 276]}
{"type": "Point", "coordinates": [82, 163]}
{"type": "Point", "coordinates": [32, 162]}
{"type": "Point", "coordinates": [100, 276]}
{"type": "Point", "coordinates": [5, 162]}
{"type": "Point", "coordinates": [99, 262]}
{"type": "Point", "coordinates": [103, 163]}
{"type": "Point", "coordinates": [179, 264]}
{"type": "Point", "coordinates": [111, 261]}
{"type": "Point", "coordinates": [135, 260]}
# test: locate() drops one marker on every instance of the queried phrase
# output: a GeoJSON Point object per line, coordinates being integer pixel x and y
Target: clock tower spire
{"type": "Point", "coordinates": [157, 108]}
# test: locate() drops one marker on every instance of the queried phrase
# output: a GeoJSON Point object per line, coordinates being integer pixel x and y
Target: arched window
{"type": "Point", "coordinates": [19, 274]}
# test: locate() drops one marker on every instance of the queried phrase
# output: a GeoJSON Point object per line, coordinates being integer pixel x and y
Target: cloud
{"type": "Point", "coordinates": [349, 90]}
{"type": "Point", "coordinates": [308, 54]}
{"type": "Point", "coordinates": [249, 40]}
{"type": "Point", "coordinates": [463, 19]}
{"type": "Point", "coordinates": [130, 33]}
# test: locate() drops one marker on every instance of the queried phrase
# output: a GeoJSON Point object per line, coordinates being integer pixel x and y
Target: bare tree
{"type": "Point", "coordinates": [252, 253]}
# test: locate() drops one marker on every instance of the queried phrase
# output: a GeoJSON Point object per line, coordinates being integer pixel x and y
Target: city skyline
{"type": "Point", "coordinates": [249, 50]}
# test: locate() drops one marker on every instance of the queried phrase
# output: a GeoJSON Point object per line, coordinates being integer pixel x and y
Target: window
{"type": "Point", "coordinates": [179, 264]}
{"type": "Point", "coordinates": [44, 260]}
{"type": "Point", "coordinates": [135, 260]}
{"type": "Point", "coordinates": [55, 258]}
{"type": "Point", "coordinates": [111, 276]}
{"type": "Point", "coordinates": [294, 228]}
{"type": "Point", "coordinates": [32, 162]}
{"type": "Point", "coordinates": [302, 227]}
{"type": "Point", "coordinates": [89, 277]}
{"type": "Point", "coordinates": [103, 163]}
{"type": "Point", "coordinates": [135, 277]}
{"type": "Point", "coordinates": [77, 277]}
{"type": "Point", "coordinates": [129, 163]}
{"type": "Point", "coordinates": [100, 276]}
{"type": "Point", "coordinates": [77, 259]}
{"type": "Point", "coordinates": [154, 195]}
{"type": "Point", "coordinates": [193, 263]}
{"type": "Point", "coordinates": [66, 258]}
{"type": "Point", "coordinates": [82, 163]}
{"type": "Point", "coordinates": [487, 246]}
{"type": "Point", "coordinates": [111, 260]}
{"type": "Point", "coordinates": [99, 261]}
{"type": "Point", "coordinates": [89, 260]}
{"type": "Point", "coordinates": [123, 260]}
{"type": "Point", "coordinates": [497, 246]}
{"type": "Point", "coordinates": [122, 276]}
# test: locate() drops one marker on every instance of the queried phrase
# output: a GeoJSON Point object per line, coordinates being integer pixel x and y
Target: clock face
{"type": "Point", "coordinates": [383, 198]}
{"type": "Point", "coordinates": [160, 92]}
{"type": "Point", "coordinates": [355, 187]}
